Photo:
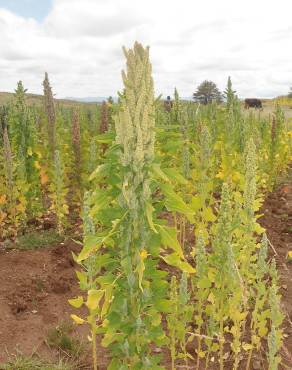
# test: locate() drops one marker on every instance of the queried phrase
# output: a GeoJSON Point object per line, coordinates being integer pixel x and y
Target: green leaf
{"type": "Point", "coordinates": [156, 170]}
{"type": "Point", "coordinates": [109, 338]}
{"type": "Point", "coordinates": [173, 174]}
{"type": "Point", "coordinates": [174, 260]}
{"type": "Point", "coordinates": [169, 239]}
{"type": "Point", "coordinates": [114, 364]}
{"type": "Point", "coordinates": [196, 203]}
{"type": "Point", "coordinates": [107, 300]}
{"type": "Point", "coordinates": [100, 172]}
{"type": "Point", "coordinates": [82, 279]}
{"type": "Point", "coordinates": [175, 203]}
{"type": "Point", "coordinates": [204, 283]}
{"type": "Point", "coordinates": [106, 138]}
{"type": "Point", "coordinates": [208, 215]}
{"type": "Point", "coordinates": [149, 213]}
{"type": "Point", "coordinates": [92, 244]}
{"type": "Point", "coordinates": [163, 305]}
{"type": "Point", "coordinates": [101, 200]}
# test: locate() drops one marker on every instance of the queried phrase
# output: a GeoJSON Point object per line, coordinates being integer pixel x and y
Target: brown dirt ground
{"type": "Point", "coordinates": [277, 220]}
{"type": "Point", "coordinates": [35, 287]}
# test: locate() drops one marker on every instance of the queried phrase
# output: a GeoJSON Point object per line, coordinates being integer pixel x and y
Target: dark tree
{"type": "Point", "coordinates": [207, 92]}
{"type": "Point", "coordinates": [290, 93]}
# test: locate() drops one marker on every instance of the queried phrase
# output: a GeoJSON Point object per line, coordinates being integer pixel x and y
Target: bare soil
{"type": "Point", "coordinates": [35, 287]}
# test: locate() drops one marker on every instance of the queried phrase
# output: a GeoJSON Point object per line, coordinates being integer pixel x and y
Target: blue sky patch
{"type": "Point", "coordinates": [37, 9]}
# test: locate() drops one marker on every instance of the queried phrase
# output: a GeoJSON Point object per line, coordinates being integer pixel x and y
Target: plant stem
{"type": "Point", "coordinates": [221, 342]}
{"type": "Point", "coordinates": [249, 359]}
{"type": "Point", "coordinates": [207, 360]}
{"type": "Point", "coordinates": [94, 356]}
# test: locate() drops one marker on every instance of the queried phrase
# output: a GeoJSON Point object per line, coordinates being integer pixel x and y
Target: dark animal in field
{"type": "Point", "coordinates": [253, 103]}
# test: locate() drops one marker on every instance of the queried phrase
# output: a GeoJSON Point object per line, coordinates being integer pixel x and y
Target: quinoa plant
{"type": "Point", "coordinates": [76, 143]}
{"type": "Point", "coordinates": [13, 201]}
{"type": "Point", "coordinates": [23, 132]}
{"type": "Point", "coordinates": [275, 336]}
{"type": "Point", "coordinates": [201, 285]}
{"type": "Point", "coordinates": [129, 237]}
{"type": "Point", "coordinates": [51, 115]}
{"type": "Point", "coordinates": [104, 118]}
{"type": "Point", "coordinates": [222, 260]}
{"type": "Point", "coordinates": [58, 194]}
{"type": "Point", "coordinates": [259, 316]}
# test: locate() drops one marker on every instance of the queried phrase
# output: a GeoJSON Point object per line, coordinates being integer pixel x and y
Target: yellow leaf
{"type": "Point", "coordinates": [208, 215]}
{"type": "Point", "coordinates": [247, 346]}
{"type": "Point", "coordinates": [37, 165]}
{"type": "Point", "coordinates": [29, 151]}
{"type": "Point", "coordinates": [20, 207]}
{"type": "Point", "coordinates": [77, 319]}
{"type": "Point", "coordinates": [76, 302]}
{"type": "Point", "coordinates": [140, 270]}
{"type": "Point", "coordinates": [2, 199]}
{"type": "Point", "coordinates": [289, 256]}
{"type": "Point", "coordinates": [220, 175]}
{"type": "Point", "coordinates": [94, 297]}
{"type": "Point", "coordinates": [201, 354]}
{"type": "Point", "coordinates": [211, 298]}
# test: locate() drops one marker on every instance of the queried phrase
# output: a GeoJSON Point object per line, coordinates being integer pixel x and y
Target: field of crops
{"type": "Point", "coordinates": [179, 222]}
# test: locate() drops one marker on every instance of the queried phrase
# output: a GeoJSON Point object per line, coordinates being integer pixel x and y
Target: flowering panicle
{"type": "Point", "coordinates": [51, 115]}
{"type": "Point", "coordinates": [104, 118]}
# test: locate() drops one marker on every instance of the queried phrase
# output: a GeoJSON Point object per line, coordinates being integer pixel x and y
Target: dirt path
{"type": "Point", "coordinates": [277, 220]}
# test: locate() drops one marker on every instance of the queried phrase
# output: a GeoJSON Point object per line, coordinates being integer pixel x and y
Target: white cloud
{"type": "Point", "coordinates": [79, 44]}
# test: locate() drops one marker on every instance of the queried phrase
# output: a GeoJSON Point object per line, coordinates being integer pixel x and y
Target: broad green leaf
{"type": "Point", "coordinates": [156, 170]}
{"type": "Point", "coordinates": [109, 338]}
{"type": "Point", "coordinates": [114, 364]}
{"type": "Point", "coordinates": [169, 239]}
{"type": "Point", "coordinates": [101, 201]}
{"type": "Point", "coordinates": [196, 203]}
{"type": "Point", "coordinates": [173, 174]}
{"type": "Point", "coordinates": [175, 203]}
{"type": "Point", "coordinates": [163, 305]}
{"type": "Point", "coordinates": [174, 260]}
{"type": "Point", "coordinates": [204, 283]}
{"type": "Point", "coordinates": [93, 244]}
{"type": "Point", "coordinates": [208, 215]}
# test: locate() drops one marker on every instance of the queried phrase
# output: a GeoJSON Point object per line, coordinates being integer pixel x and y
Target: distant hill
{"type": "Point", "coordinates": [35, 99]}
{"type": "Point", "coordinates": [91, 99]}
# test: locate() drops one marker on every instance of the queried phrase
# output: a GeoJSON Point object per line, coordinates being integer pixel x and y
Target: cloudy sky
{"type": "Point", "coordinates": [78, 42]}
